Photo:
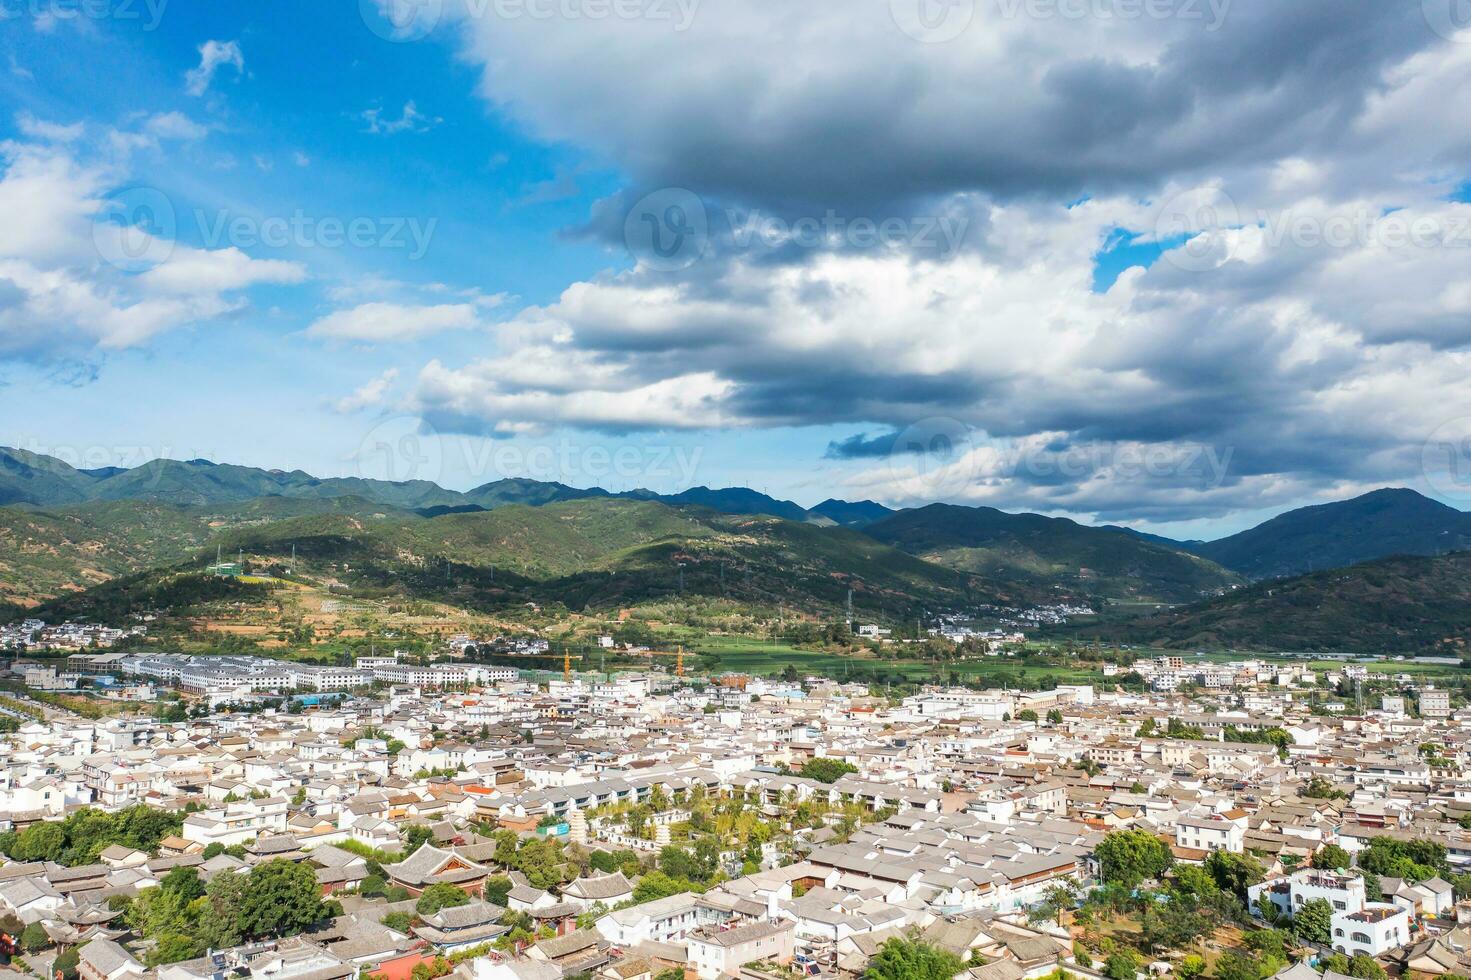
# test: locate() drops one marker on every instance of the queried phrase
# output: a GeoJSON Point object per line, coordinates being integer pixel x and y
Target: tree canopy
{"type": "Point", "coordinates": [905, 959]}
{"type": "Point", "coordinates": [1128, 857]}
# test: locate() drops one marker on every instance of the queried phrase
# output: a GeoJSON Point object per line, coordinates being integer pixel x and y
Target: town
{"type": "Point", "coordinates": [408, 821]}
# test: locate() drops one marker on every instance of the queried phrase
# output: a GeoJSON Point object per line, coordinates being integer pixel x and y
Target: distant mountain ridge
{"type": "Point", "coordinates": [1052, 550]}
{"type": "Point", "coordinates": [852, 513]}
{"type": "Point", "coordinates": [1043, 552]}
{"type": "Point", "coordinates": [44, 481]}
{"type": "Point", "coordinates": [1410, 605]}
{"type": "Point", "coordinates": [1375, 525]}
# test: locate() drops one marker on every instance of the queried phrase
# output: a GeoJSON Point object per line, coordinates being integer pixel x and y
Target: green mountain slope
{"type": "Point", "coordinates": [1402, 605]}
{"type": "Point", "coordinates": [1046, 551]}
{"type": "Point", "coordinates": [47, 482]}
{"type": "Point", "coordinates": [29, 478]}
{"type": "Point", "coordinates": [738, 500]}
{"type": "Point", "coordinates": [1346, 532]}
{"type": "Point", "coordinates": [608, 552]}
{"type": "Point", "coordinates": [49, 552]}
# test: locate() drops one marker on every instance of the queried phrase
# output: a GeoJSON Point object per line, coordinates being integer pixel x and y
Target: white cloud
{"type": "Point", "coordinates": [410, 120]}
{"type": "Point", "coordinates": [193, 270]}
{"type": "Point", "coordinates": [1075, 400]}
{"type": "Point", "coordinates": [370, 395]}
{"type": "Point", "coordinates": [59, 297]}
{"type": "Point", "coordinates": [212, 56]}
{"type": "Point", "coordinates": [393, 322]}
{"type": "Point", "coordinates": [174, 126]}
{"type": "Point", "coordinates": [49, 132]}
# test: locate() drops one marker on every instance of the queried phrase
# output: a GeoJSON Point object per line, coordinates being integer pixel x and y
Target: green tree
{"type": "Point", "coordinates": [1414, 860]}
{"type": "Point", "coordinates": [33, 938]}
{"type": "Point", "coordinates": [183, 883]}
{"type": "Point", "coordinates": [1361, 966]}
{"type": "Point", "coordinates": [1269, 942]}
{"type": "Point", "coordinates": [497, 887]}
{"type": "Point", "coordinates": [173, 947]}
{"type": "Point", "coordinates": [1026, 714]}
{"type": "Point", "coordinates": [220, 927]}
{"type": "Point", "coordinates": [1313, 921]}
{"type": "Point", "coordinates": [1128, 857]}
{"type": "Point", "coordinates": [1319, 788]}
{"type": "Point", "coordinates": [905, 959]}
{"type": "Point", "coordinates": [415, 836]}
{"type": "Point", "coordinates": [1234, 873]}
{"type": "Point", "coordinates": [1331, 857]}
{"type": "Point", "coordinates": [657, 884]}
{"type": "Point", "coordinates": [440, 895]}
{"type": "Point", "coordinates": [1190, 967]}
{"type": "Point", "coordinates": [1122, 965]}
{"type": "Point", "coordinates": [1194, 880]}
{"type": "Point", "coordinates": [540, 860]}
{"type": "Point", "coordinates": [281, 897]}
{"type": "Point", "coordinates": [67, 962]}
{"type": "Point", "coordinates": [40, 842]}
{"type": "Point", "coordinates": [1054, 717]}
{"type": "Point", "coordinates": [1235, 966]}
{"type": "Point", "coordinates": [826, 770]}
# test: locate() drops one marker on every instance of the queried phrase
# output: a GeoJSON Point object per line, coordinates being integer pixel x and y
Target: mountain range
{"type": "Point", "coordinates": [1405, 604]}
{"type": "Point", "coordinates": [68, 529]}
{"type": "Point", "coordinates": [44, 481]}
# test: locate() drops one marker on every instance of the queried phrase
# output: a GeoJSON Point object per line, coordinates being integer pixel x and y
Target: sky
{"type": "Point", "coordinates": [1178, 264]}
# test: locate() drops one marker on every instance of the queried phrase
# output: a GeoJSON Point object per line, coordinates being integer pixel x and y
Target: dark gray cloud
{"type": "Point", "coordinates": [1267, 369]}
{"type": "Point", "coordinates": [1017, 105]}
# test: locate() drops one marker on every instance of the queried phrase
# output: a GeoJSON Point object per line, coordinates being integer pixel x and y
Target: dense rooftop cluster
{"type": "Point", "coordinates": [501, 827]}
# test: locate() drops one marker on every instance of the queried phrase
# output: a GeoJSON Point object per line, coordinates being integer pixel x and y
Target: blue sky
{"type": "Point", "coordinates": [1074, 318]}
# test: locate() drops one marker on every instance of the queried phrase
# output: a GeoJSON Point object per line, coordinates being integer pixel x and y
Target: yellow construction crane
{"type": "Point", "coordinates": [679, 661]}
{"type": "Point", "coordinates": [567, 664]}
